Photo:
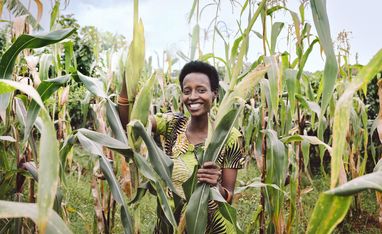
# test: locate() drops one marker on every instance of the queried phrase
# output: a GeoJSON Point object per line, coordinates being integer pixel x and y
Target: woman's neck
{"type": "Point", "coordinates": [199, 124]}
{"type": "Point", "coordinates": [197, 130]}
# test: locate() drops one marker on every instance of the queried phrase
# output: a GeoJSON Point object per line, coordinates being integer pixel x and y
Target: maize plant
{"type": "Point", "coordinates": [288, 118]}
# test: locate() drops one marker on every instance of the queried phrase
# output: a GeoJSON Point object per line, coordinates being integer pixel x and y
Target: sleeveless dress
{"type": "Point", "coordinates": [171, 128]}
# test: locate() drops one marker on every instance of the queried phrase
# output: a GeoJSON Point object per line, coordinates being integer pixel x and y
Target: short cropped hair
{"type": "Point", "coordinates": [200, 67]}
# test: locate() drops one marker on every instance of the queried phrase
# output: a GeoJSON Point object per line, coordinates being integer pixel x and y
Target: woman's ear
{"type": "Point", "coordinates": [214, 95]}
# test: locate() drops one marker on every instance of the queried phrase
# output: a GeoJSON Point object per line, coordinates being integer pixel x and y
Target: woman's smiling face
{"type": "Point", "coordinates": [197, 94]}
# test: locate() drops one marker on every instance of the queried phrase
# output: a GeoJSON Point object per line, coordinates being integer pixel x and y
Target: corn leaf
{"type": "Point", "coordinates": [321, 22]}
{"type": "Point", "coordinates": [96, 149]}
{"type": "Point", "coordinates": [359, 184]}
{"type": "Point", "coordinates": [276, 29]}
{"type": "Point", "coordinates": [48, 152]}
{"type": "Point", "coordinates": [46, 60]}
{"type": "Point", "coordinates": [328, 212]}
{"type": "Point", "coordinates": [18, 209]}
{"type": "Point", "coordinates": [94, 85]}
{"type": "Point", "coordinates": [45, 89]}
{"type": "Point", "coordinates": [161, 163]}
{"type": "Point", "coordinates": [48, 169]}
{"type": "Point", "coordinates": [196, 211]}
{"type": "Point", "coordinates": [141, 108]}
{"type": "Point", "coordinates": [23, 42]}
{"type": "Point", "coordinates": [114, 121]}
{"type": "Point", "coordinates": [310, 139]}
{"type": "Point", "coordinates": [135, 59]}
{"type": "Point", "coordinates": [165, 205]}
{"type": "Point", "coordinates": [342, 114]}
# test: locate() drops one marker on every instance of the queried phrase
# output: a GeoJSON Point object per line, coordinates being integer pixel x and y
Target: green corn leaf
{"type": "Point", "coordinates": [46, 60]}
{"type": "Point", "coordinates": [29, 42]}
{"type": "Point", "coordinates": [276, 29]}
{"type": "Point", "coordinates": [94, 85]}
{"type": "Point", "coordinates": [141, 109]}
{"type": "Point", "coordinates": [96, 149]}
{"type": "Point", "coordinates": [328, 212]}
{"type": "Point", "coordinates": [359, 184]}
{"type": "Point", "coordinates": [141, 192]}
{"type": "Point", "coordinates": [18, 209]}
{"type": "Point", "coordinates": [221, 132]}
{"type": "Point", "coordinates": [114, 121]}
{"type": "Point", "coordinates": [48, 152]}
{"type": "Point", "coordinates": [304, 58]}
{"type": "Point", "coordinates": [144, 167]}
{"type": "Point", "coordinates": [227, 211]}
{"type": "Point", "coordinates": [106, 141]}
{"type": "Point", "coordinates": [135, 59]}
{"type": "Point", "coordinates": [45, 89]}
{"type": "Point", "coordinates": [23, 42]}
{"type": "Point", "coordinates": [161, 163]}
{"type": "Point", "coordinates": [309, 104]}
{"type": "Point", "coordinates": [7, 86]}
{"type": "Point", "coordinates": [48, 171]}
{"type": "Point", "coordinates": [274, 77]}
{"type": "Point", "coordinates": [196, 211]}
{"type": "Point", "coordinates": [194, 41]}
{"type": "Point", "coordinates": [291, 83]}
{"type": "Point", "coordinates": [321, 22]}
{"type": "Point", "coordinates": [54, 14]}
{"type": "Point", "coordinates": [196, 214]}
{"type": "Point", "coordinates": [277, 160]}
{"type": "Point", "coordinates": [165, 205]}
{"type": "Point", "coordinates": [310, 139]}
{"type": "Point", "coordinates": [342, 114]}
{"type": "Point", "coordinates": [190, 184]}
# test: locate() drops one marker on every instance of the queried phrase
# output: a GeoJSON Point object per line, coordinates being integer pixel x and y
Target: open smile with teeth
{"type": "Point", "coordinates": [194, 106]}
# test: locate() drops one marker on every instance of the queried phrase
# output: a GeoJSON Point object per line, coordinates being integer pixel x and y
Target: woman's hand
{"type": "Point", "coordinates": [210, 173]}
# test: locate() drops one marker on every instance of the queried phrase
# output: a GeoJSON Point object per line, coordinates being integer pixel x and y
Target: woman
{"type": "Point", "coordinates": [183, 137]}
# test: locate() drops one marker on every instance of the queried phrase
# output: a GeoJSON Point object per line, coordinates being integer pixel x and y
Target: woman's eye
{"type": "Point", "coordinates": [186, 92]}
{"type": "Point", "coordinates": [201, 90]}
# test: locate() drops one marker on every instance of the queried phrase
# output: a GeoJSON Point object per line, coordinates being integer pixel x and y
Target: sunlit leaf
{"type": "Point", "coordinates": [18, 209]}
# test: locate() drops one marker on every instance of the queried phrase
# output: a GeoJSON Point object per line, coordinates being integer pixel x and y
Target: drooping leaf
{"type": "Point", "coordinates": [310, 139]}
{"type": "Point", "coordinates": [23, 42]}
{"type": "Point", "coordinates": [96, 149]}
{"type": "Point", "coordinates": [114, 121]}
{"type": "Point", "coordinates": [45, 89]}
{"type": "Point", "coordinates": [31, 42]}
{"type": "Point", "coordinates": [94, 85]}
{"type": "Point", "coordinates": [18, 9]}
{"type": "Point", "coordinates": [328, 212]}
{"type": "Point", "coordinates": [161, 163]}
{"type": "Point", "coordinates": [359, 184]}
{"type": "Point", "coordinates": [18, 209]}
{"type": "Point", "coordinates": [276, 29]}
{"type": "Point", "coordinates": [165, 205]}
{"type": "Point", "coordinates": [342, 113]}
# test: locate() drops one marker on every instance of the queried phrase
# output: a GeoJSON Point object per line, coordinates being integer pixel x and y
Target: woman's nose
{"type": "Point", "coordinates": [194, 95]}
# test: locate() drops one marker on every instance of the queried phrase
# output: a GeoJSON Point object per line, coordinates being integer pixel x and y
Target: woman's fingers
{"type": "Point", "coordinates": [210, 164]}
{"type": "Point", "coordinates": [209, 173]}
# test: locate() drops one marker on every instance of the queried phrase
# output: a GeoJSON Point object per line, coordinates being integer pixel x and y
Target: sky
{"type": "Point", "coordinates": [167, 28]}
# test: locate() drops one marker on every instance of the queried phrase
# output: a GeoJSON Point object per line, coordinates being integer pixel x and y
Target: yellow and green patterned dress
{"type": "Point", "coordinates": [172, 129]}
